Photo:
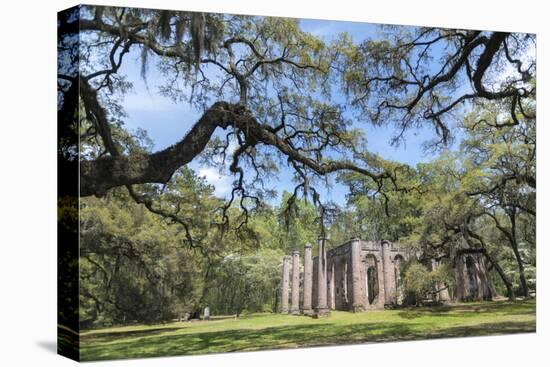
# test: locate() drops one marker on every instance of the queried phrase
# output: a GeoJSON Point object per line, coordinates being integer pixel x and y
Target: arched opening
{"type": "Point", "coordinates": [345, 282]}
{"type": "Point", "coordinates": [371, 279]}
{"type": "Point", "coordinates": [372, 284]}
{"type": "Point", "coordinates": [471, 280]}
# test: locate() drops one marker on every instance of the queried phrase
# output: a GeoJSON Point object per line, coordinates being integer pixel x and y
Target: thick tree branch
{"type": "Point", "coordinates": [98, 176]}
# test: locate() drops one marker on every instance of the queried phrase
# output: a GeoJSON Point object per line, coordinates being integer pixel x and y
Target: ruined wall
{"type": "Point", "coordinates": [385, 258]}
{"type": "Point", "coordinates": [339, 263]}
{"type": "Point", "coordinates": [472, 282]}
{"type": "Point", "coordinates": [365, 275]}
{"type": "Point", "coordinates": [348, 276]}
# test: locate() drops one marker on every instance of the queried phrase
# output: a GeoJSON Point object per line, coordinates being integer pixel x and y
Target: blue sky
{"type": "Point", "coordinates": [167, 122]}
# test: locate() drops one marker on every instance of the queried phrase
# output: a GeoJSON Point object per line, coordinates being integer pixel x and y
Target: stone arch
{"type": "Point", "coordinates": [345, 282]}
{"type": "Point", "coordinates": [371, 279]}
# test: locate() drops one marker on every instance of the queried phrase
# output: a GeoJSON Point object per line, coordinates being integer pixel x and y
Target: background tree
{"type": "Point", "coordinates": [135, 266]}
{"type": "Point", "coordinates": [500, 174]}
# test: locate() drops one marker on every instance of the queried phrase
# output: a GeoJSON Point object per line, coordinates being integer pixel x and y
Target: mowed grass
{"type": "Point", "coordinates": [273, 331]}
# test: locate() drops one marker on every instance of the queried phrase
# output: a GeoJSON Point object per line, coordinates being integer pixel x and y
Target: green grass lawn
{"type": "Point", "coordinates": [271, 331]}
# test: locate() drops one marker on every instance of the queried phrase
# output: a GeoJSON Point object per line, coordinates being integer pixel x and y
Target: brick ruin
{"type": "Point", "coordinates": [472, 281]}
{"type": "Point", "coordinates": [363, 275]}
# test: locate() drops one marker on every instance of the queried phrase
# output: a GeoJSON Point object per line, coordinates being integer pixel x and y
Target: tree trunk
{"type": "Point", "coordinates": [511, 236]}
{"type": "Point", "coordinates": [514, 245]}
{"type": "Point", "coordinates": [505, 280]}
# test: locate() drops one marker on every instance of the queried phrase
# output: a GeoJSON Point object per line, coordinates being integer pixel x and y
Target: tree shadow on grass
{"type": "Point", "coordinates": [288, 337]}
{"type": "Point", "coordinates": [98, 337]}
{"type": "Point", "coordinates": [502, 308]}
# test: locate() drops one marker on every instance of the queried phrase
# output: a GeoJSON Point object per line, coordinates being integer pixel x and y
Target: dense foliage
{"type": "Point", "coordinates": [157, 244]}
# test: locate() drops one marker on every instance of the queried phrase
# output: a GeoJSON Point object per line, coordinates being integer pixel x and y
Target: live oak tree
{"type": "Point", "coordinates": [268, 86]}
{"type": "Point", "coordinates": [417, 76]}
{"type": "Point", "coordinates": [451, 224]}
{"type": "Point", "coordinates": [251, 53]}
{"type": "Point", "coordinates": [500, 175]}
{"type": "Point", "coordinates": [271, 96]}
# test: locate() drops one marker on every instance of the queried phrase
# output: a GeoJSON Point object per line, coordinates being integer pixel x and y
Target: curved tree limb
{"type": "Point", "coordinates": [98, 176]}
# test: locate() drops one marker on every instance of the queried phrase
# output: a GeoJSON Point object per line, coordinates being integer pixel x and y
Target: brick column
{"type": "Point", "coordinates": [295, 299]}
{"type": "Point", "coordinates": [331, 303]}
{"type": "Point", "coordinates": [388, 266]}
{"type": "Point", "coordinates": [284, 286]}
{"type": "Point", "coordinates": [358, 291]}
{"type": "Point", "coordinates": [381, 280]}
{"type": "Point", "coordinates": [322, 308]}
{"type": "Point", "coordinates": [308, 279]}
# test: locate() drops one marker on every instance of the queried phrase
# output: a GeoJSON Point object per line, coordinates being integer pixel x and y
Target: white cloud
{"type": "Point", "coordinates": [218, 175]}
{"type": "Point", "coordinates": [323, 30]}
{"type": "Point", "coordinates": [136, 102]}
{"type": "Point", "coordinates": [221, 182]}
